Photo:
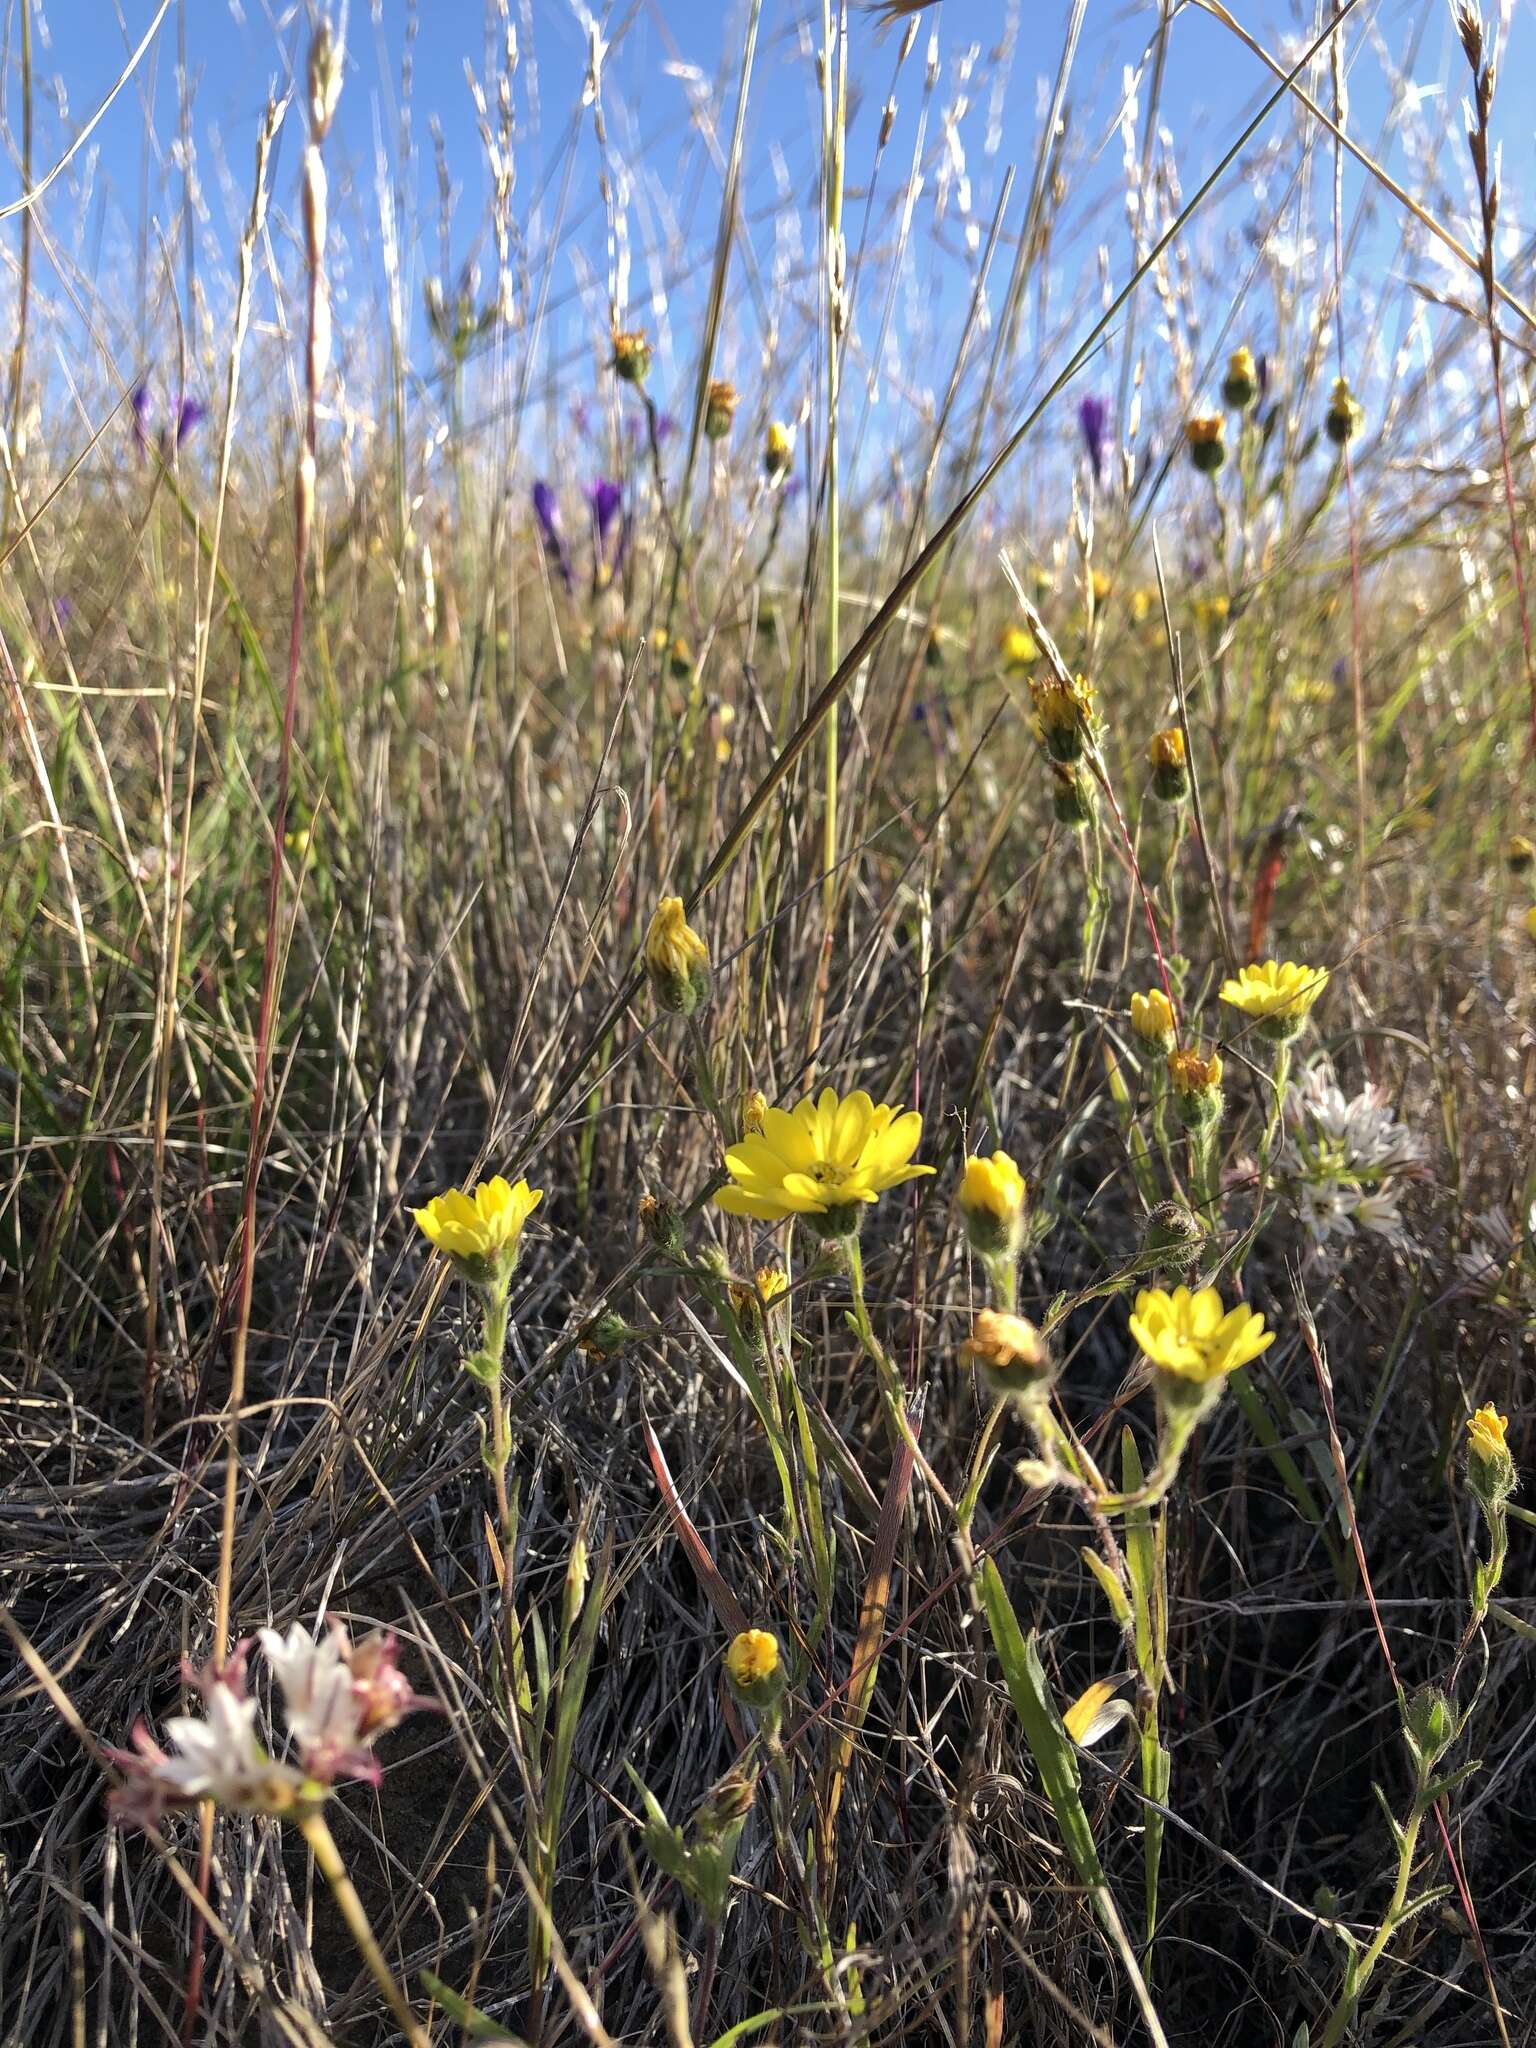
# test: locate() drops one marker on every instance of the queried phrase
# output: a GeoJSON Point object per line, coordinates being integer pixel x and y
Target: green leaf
{"type": "Point", "coordinates": [1049, 1743]}
{"type": "Point", "coordinates": [478, 2025]}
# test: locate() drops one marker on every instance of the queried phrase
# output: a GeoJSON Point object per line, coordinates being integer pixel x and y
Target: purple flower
{"type": "Point", "coordinates": [1093, 418]}
{"type": "Point", "coordinates": [606, 499]}
{"type": "Point", "coordinates": [143, 405]}
{"type": "Point", "coordinates": [189, 413]}
{"type": "Point", "coordinates": [546, 510]}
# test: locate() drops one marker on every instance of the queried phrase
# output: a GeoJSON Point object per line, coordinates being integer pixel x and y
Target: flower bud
{"type": "Point", "coordinates": [1431, 1723]}
{"type": "Point", "coordinates": [778, 452]}
{"type": "Point", "coordinates": [992, 1205]}
{"type": "Point", "coordinates": [1170, 771]}
{"type": "Point", "coordinates": [1174, 1233]}
{"type": "Point", "coordinates": [754, 1107]}
{"type": "Point", "coordinates": [1344, 417]}
{"type": "Point", "coordinates": [1240, 387]}
{"type": "Point", "coordinates": [1491, 1470]}
{"type": "Point", "coordinates": [631, 355]}
{"type": "Point", "coordinates": [1196, 1080]}
{"type": "Point", "coordinates": [606, 1336]}
{"type": "Point", "coordinates": [1519, 854]}
{"type": "Point", "coordinates": [1065, 713]}
{"type": "Point", "coordinates": [659, 1222]}
{"type": "Point", "coordinates": [754, 1665]}
{"type": "Point", "coordinates": [677, 960]}
{"type": "Point", "coordinates": [720, 409]}
{"type": "Point", "coordinates": [1205, 437]}
{"type": "Point", "coordinates": [1152, 1019]}
{"type": "Point", "coordinates": [1010, 1355]}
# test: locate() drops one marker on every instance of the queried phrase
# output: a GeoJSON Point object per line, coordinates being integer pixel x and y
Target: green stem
{"type": "Point", "coordinates": [1359, 1972]}
{"type": "Point", "coordinates": [326, 1854]}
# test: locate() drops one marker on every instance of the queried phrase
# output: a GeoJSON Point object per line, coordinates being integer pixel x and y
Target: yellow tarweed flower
{"type": "Point", "coordinates": [676, 959]}
{"type": "Point", "coordinates": [1170, 772]}
{"type": "Point", "coordinates": [1152, 1018]}
{"type": "Point", "coordinates": [778, 451]}
{"type": "Point", "coordinates": [992, 1202]}
{"type": "Point", "coordinates": [1240, 387]}
{"type": "Point", "coordinates": [1196, 1078]}
{"type": "Point", "coordinates": [755, 1666]}
{"type": "Point", "coordinates": [1016, 645]}
{"type": "Point", "coordinates": [1066, 713]}
{"type": "Point", "coordinates": [1205, 435]}
{"type": "Point", "coordinates": [1345, 416]}
{"type": "Point", "coordinates": [480, 1229]}
{"type": "Point", "coordinates": [1192, 1337]}
{"type": "Point", "coordinates": [1009, 1353]}
{"type": "Point", "coordinates": [631, 354]}
{"type": "Point", "coordinates": [824, 1159]}
{"type": "Point", "coordinates": [1486, 1430]}
{"type": "Point", "coordinates": [1490, 1468]}
{"type": "Point", "coordinates": [1277, 994]}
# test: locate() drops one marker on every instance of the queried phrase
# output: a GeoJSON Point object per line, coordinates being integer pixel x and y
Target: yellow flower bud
{"type": "Point", "coordinates": [677, 960]}
{"type": "Point", "coordinates": [754, 1664]}
{"type": "Point", "coordinates": [1152, 1018]}
{"type": "Point", "coordinates": [992, 1204]}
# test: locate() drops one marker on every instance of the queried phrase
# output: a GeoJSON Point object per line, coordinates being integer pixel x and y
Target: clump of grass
{"type": "Point", "coordinates": [947, 1447]}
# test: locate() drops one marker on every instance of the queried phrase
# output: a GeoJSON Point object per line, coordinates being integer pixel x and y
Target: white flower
{"type": "Point", "coordinates": [217, 1756]}
{"type": "Point", "coordinates": [1379, 1213]}
{"type": "Point", "coordinates": [323, 1713]}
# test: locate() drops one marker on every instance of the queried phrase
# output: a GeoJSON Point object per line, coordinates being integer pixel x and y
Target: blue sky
{"type": "Point", "coordinates": [665, 61]}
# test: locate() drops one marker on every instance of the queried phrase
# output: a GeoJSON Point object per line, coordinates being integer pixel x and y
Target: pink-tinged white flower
{"type": "Point", "coordinates": [339, 1697]}
{"type": "Point", "coordinates": [215, 1757]}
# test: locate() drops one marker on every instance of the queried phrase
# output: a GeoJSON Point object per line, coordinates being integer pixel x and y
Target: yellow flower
{"type": "Point", "coordinates": [1344, 417]}
{"type": "Point", "coordinates": [1205, 434]}
{"type": "Point", "coordinates": [1486, 1430]}
{"type": "Point", "coordinates": [1152, 1018]}
{"type": "Point", "coordinates": [1519, 853]}
{"type": "Point", "coordinates": [1490, 1468]}
{"type": "Point", "coordinates": [1196, 1078]}
{"type": "Point", "coordinates": [755, 1666]}
{"type": "Point", "coordinates": [1066, 712]}
{"type": "Point", "coordinates": [1211, 611]}
{"type": "Point", "coordinates": [1241, 384]}
{"type": "Point", "coordinates": [992, 1199]}
{"type": "Point", "coordinates": [772, 1281]}
{"type": "Point", "coordinates": [1192, 1337]}
{"type": "Point", "coordinates": [1016, 645]}
{"type": "Point", "coordinates": [1143, 598]}
{"type": "Point", "coordinates": [1277, 994]}
{"type": "Point", "coordinates": [480, 1230]}
{"type": "Point", "coordinates": [631, 355]}
{"type": "Point", "coordinates": [1101, 584]}
{"type": "Point", "coordinates": [1009, 1353]}
{"type": "Point", "coordinates": [676, 959]}
{"type": "Point", "coordinates": [824, 1159]}
{"type": "Point", "coordinates": [778, 451]}
{"type": "Point", "coordinates": [1170, 775]}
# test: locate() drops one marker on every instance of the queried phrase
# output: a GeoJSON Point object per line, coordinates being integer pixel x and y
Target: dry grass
{"type": "Point", "coordinates": [492, 779]}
